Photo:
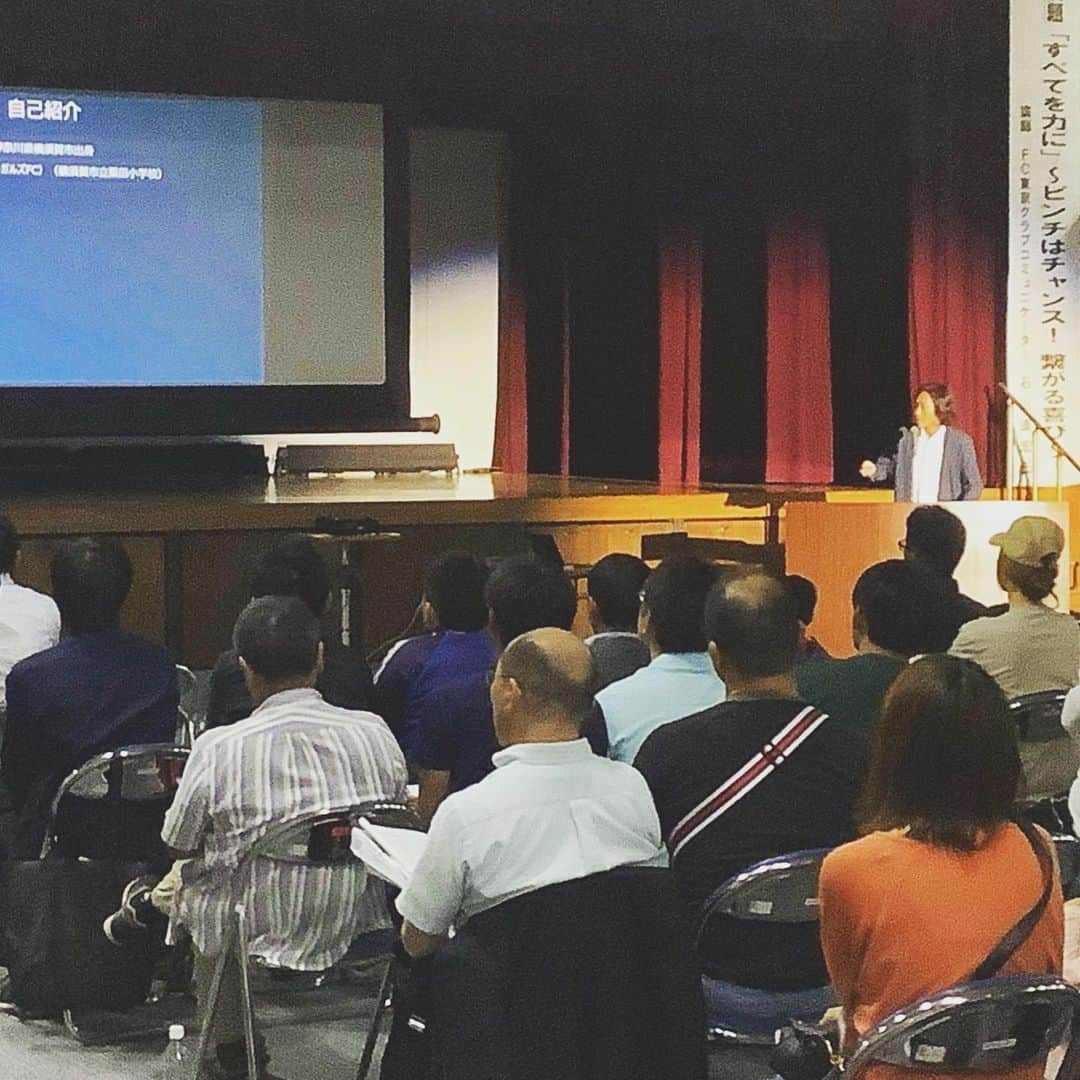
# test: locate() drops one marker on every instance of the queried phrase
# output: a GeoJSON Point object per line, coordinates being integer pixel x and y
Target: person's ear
{"type": "Point", "coordinates": [593, 610]}
{"type": "Point", "coordinates": [644, 621]}
{"type": "Point", "coordinates": [249, 675]}
{"type": "Point", "coordinates": [320, 659]}
{"type": "Point", "coordinates": [858, 627]}
{"type": "Point", "coordinates": [718, 659]}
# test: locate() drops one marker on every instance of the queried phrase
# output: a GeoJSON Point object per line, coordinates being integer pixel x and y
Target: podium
{"type": "Point", "coordinates": [833, 543]}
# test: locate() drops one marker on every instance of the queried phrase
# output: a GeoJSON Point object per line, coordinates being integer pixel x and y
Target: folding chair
{"type": "Point", "coordinates": [981, 1027]}
{"type": "Point", "coordinates": [144, 777]}
{"type": "Point", "coordinates": [781, 892]}
{"type": "Point", "coordinates": [188, 722]}
{"type": "Point", "coordinates": [322, 839]}
{"type": "Point", "coordinates": [1038, 720]}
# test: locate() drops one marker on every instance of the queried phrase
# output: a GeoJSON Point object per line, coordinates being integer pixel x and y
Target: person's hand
{"type": "Point", "coordinates": [835, 1015]}
{"type": "Point", "coordinates": [868, 469]}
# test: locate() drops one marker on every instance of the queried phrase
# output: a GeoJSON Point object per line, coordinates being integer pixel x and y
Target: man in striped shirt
{"type": "Point", "coordinates": [294, 756]}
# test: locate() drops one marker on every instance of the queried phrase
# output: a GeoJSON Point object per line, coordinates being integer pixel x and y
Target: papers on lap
{"type": "Point", "coordinates": [388, 853]}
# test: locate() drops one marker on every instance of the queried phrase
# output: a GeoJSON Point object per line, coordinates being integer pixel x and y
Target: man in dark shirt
{"type": "Point", "coordinates": [98, 689]}
{"type": "Point", "coordinates": [292, 568]}
{"type": "Point", "coordinates": [714, 829]}
{"type": "Point", "coordinates": [900, 611]}
{"type": "Point", "coordinates": [935, 537]}
{"type": "Point", "coordinates": [455, 751]}
{"type": "Point", "coordinates": [615, 585]}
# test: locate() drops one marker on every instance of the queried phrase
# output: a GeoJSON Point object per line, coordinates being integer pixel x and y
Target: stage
{"type": "Point", "coordinates": [191, 547]}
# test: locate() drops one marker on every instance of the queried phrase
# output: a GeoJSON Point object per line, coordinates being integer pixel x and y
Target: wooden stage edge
{"type": "Point", "coordinates": [191, 547]}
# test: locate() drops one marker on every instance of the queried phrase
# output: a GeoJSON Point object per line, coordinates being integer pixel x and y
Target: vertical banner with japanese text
{"type": "Point", "coordinates": [1044, 205]}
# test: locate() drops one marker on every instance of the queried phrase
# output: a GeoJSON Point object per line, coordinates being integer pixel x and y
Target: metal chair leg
{"type": "Point", "coordinates": [382, 1003]}
{"type": "Point", "coordinates": [247, 1005]}
{"type": "Point", "coordinates": [209, 1007]}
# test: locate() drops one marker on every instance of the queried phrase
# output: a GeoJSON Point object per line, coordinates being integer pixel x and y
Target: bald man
{"type": "Point", "coordinates": [716, 824]}
{"type": "Point", "coordinates": [551, 811]}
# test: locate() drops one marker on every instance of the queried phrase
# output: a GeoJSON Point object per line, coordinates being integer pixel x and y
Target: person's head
{"type": "Point", "coordinates": [936, 537]}
{"type": "Point", "coordinates": [293, 567]}
{"type": "Point", "coordinates": [752, 623]}
{"type": "Point", "coordinates": [944, 761]}
{"type": "Point", "coordinates": [672, 615]}
{"type": "Point", "coordinates": [1028, 560]}
{"type": "Point", "coordinates": [279, 643]}
{"type": "Point", "coordinates": [523, 593]}
{"type": "Point", "coordinates": [900, 607]}
{"type": "Point", "coordinates": [91, 578]}
{"type": "Point", "coordinates": [615, 584]}
{"type": "Point", "coordinates": [454, 592]}
{"type": "Point", "coordinates": [933, 406]}
{"type": "Point", "coordinates": [805, 593]}
{"type": "Point", "coordinates": [9, 545]}
{"type": "Point", "coordinates": [543, 688]}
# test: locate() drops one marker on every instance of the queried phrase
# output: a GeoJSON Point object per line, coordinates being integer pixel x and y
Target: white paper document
{"type": "Point", "coordinates": [388, 853]}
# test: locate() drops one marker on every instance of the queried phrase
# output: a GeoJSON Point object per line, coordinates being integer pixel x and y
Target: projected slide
{"type": "Point", "coordinates": [150, 241]}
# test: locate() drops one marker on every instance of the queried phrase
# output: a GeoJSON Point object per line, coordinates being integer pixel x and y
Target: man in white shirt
{"type": "Point", "coordinates": [29, 620]}
{"type": "Point", "coordinates": [551, 812]}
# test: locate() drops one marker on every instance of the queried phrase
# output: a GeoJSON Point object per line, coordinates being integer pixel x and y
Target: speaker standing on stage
{"type": "Point", "coordinates": [934, 462]}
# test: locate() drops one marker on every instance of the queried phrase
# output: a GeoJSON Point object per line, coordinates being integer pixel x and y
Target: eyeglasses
{"type": "Point", "coordinates": [641, 597]}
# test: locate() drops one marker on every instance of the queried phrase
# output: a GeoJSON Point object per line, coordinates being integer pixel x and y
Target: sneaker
{"type": "Point", "coordinates": [123, 927]}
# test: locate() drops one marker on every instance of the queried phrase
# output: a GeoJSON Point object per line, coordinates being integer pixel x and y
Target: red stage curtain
{"type": "Point", "coordinates": [680, 275]}
{"type": "Point", "coordinates": [511, 453]}
{"type": "Point", "coordinates": [958, 97]}
{"type": "Point", "coordinates": [799, 417]}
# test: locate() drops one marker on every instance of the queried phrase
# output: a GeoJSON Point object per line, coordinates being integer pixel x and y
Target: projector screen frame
{"type": "Point", "coordinates": [82, 412]}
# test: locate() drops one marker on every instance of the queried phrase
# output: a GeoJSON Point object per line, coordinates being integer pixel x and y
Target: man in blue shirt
{"type": "Point", "coordinates": [680, 680]}
{"type": "Point", "coordinates": [99, 689]}
{"type": "Point", "coordinates": [410, 683]}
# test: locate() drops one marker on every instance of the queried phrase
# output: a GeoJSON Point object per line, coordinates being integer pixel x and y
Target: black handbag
{"type": "Point", "coordinates": [807, 1051]}
{"type": "Point", "coordinates": [52, 943]}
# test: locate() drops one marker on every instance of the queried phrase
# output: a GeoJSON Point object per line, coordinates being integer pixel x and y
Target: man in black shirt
{"type": "Point", "coordinates": [716, 824]}
{"type": "Point", "coordinates": [935, 538]}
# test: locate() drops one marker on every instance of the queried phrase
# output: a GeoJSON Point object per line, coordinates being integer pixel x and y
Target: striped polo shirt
{"type": "Point", "coordinates": [295, 755]}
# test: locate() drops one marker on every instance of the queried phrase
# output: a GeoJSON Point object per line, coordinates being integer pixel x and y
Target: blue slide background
{"type": "Point", "coordinates": [110, 282]}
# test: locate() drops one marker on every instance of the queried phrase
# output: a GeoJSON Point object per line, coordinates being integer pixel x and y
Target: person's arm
{"type": "Point", "coordinates": [434, 785]}
{"type": "Point", "coordinates": [188, 818]}
{"type": "Point", "coordinates": [17, 757]}
{"type": "Point", "coordinates": [841, 941]}
{"type": "Point", "coordinates": [434, 896]}
{"type": "Point", "coordinates": [229, 697]}
{"type": "Point", "coordinates": [971, 484]}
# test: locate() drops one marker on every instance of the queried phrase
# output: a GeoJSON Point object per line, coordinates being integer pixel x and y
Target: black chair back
{"type": "Point", "coordinates": [759, 929]}
{"type": "Point", "coordinates": [1038, 716]}
{"type": "Point", "coordinates": [981, 1027]}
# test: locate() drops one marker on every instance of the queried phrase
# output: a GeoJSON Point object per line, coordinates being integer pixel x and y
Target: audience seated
{"type": "Point", "coordinates": [919, 903]}
{"type": "Point", "coordinates": [1031, 647]}
{"type": "Point", "coordinates": [679, 680]}
{"type": "Point", "coordinates": [935, 538]}
{"type": "Point", "coordinates": [522, 594]}
{"type": "Point", "coordinates": [293, 567]}
{"type": "Point", "coordinates": [550, 812]}
{"type": "Point", "coordinates": [456, 649]}
{"type": "Point", "coordinates": [295, 755]}
{"type": "Point", "coordinates": [29, 620]}
{"type": "Point", "coordinates": [716, 826]}
{"type": "Point", "coordinates": [615, 584]}
{"type": "Point", "coordinates": [900, 611]}
{"type": "Point", "coordinates": [98, 689]}
{"type": "Point", "coordinates": [806, 597]}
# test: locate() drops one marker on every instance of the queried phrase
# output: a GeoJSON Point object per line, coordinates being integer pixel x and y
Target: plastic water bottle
{"type": "Point", "coordinates": [178, 1061]}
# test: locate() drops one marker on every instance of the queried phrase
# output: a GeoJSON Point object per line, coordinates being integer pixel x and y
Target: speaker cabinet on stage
{"type": "Point", "coordinates": [303, 458]}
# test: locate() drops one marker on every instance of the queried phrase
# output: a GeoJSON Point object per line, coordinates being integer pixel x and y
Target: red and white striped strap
{"type": "Point", "coordinates": [773, 754]}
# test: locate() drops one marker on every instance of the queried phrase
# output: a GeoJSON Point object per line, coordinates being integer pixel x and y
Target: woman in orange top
{"type": "Point", "coordinates": [918, 903]}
